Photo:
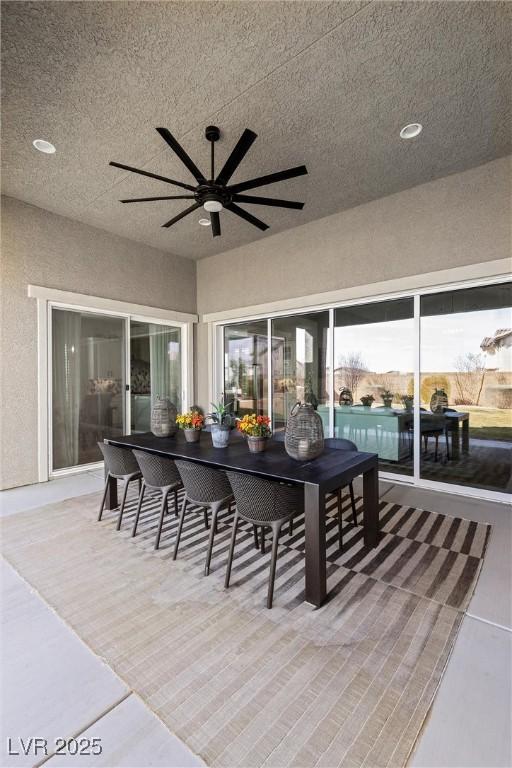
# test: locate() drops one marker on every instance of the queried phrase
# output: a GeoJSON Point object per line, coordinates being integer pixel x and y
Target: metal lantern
{"type": "Point", "coordinates": [438, 401]}
{"type": "Point", "coordinates": [304, 435]}
{"type": "Point", "coordinates": [163, 417]}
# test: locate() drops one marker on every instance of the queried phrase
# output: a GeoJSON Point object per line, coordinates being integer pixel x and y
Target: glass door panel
{"type": "Point", "coordinates": [88, 385]}
{"type": "Point", "coordinates": [155, 370]}
{"type": "Point", "coordinates": [374, 380]}
{"type": "Point", "coordinates": [300, 345]}
{"type": "Point", "coordinates": [466, 375]}
{"type": "Point", "coordinates": [245, 368]}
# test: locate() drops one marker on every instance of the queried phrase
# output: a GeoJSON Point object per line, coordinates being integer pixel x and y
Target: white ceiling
{"type": "Point", "coordinates": [328, 84]}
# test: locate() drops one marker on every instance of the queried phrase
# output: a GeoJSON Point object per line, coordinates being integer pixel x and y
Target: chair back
{"type": "Point", "coordinates": [157, 471]}
{"type": "Point", "coordinates": [262, 500]}
{"type": "Point", "coordinates": [340, 443]}
{"type": "Point", "coordinates": [203, 484]}
{"type": "Point", "coordinates": [119, 461]}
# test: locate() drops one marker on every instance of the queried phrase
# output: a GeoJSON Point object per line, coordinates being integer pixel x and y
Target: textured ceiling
{"type": "Point", "coordinates": [328, 84]}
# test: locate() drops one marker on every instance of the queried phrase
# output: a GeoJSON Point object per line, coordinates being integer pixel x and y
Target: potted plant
{"type": "Point", "coordinates": [408, 401]}
{"type": "Point", "coordinates": [387, 398]}
{"type": "Point", "coordinates": [257, 431]}
{"type": "Point", "coordinates": [191, 423]}
{"type": "Point", "coordinates": [367, 400]}
{"type": "Point", "coordinates": [222, 421]}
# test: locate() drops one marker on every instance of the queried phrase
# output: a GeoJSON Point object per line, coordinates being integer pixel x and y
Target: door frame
{"type": "Point", "coordinates": [49, 298]}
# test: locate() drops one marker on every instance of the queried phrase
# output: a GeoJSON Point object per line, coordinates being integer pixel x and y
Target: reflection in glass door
{"type": "Point", "coordinates": [245, 368]}
{"type": "Point", "coordinates": [466, 387]}
{"type": "Point", "coordinates": [300, 345]}
{"type": "Point", "coordinates": [155, 370]}
{"type": "Point", "coordinates": [374, 380]}
{"type": "Point", "coordinates": [88, 385]}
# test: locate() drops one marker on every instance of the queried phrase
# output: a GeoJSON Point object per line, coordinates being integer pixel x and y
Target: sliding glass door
{"type": "Point", "coordinates": [466, 377]}
{"type": "Point", "coordinates": [106, 371]}
{"type": "Point", "coordinates": [155, 370]}
{"type": "Point", "coordinates": [300, 350]}
{"type": "Point", "coordinates": [423, 380]}
{"type": "Point", "coordinates": [374, 380]}
{"type": "Point", "coordinates": [88, 385]}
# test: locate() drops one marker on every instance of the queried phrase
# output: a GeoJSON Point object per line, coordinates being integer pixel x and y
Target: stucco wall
{"type": "Point", "coordinates": [41, 248]}
{"type": "Point", "coordinates": [455, 221]}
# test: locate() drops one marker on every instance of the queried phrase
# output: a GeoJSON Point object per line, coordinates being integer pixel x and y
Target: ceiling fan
{"type": "Point", "coordinates": [216, 194]}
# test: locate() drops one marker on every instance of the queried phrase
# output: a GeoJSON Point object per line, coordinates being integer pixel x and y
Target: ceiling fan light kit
{"type": "Point", "coordinates": [216, 194]}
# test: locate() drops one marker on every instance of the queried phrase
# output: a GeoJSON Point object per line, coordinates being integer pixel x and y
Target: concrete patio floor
{"type": "Point", "coordinates": [54, 686]}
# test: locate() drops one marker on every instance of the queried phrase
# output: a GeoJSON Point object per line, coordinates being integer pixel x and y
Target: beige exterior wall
{"type": "Point", "coordinates": [41, 248]}
{"type": "Point", "coordinates": [456, 221]}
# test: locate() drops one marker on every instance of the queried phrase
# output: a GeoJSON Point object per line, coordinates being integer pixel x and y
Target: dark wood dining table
{"type": "Point", "coordinates": [328, 472]}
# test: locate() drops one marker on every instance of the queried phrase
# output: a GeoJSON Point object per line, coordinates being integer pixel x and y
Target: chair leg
{"type": "Point", "coordinates": [125, 491]}
{"type": "Point", "coordinates": [104, 497]}
{"type": "Point", "coordinates": [139, 507]}
{"type": "Point", "coordinates": [231, 551]}
{"type": "Point", "coordinates": [180, 526]}
{"type": "Point", "coordinates": [353, 503]}
{"type": "Point", "coordinates": [275, 542]}
{"type": "Point", "coordinates": [436, 448]}
{"type": "Point", "coordinates": [256, 539]}
{"type": "Point", "coordinates": [213, 531]}
{"type": "Point", "coordinates": [290, 527]}
{"type": "Point", "coordinates": [205, 514]}
{"type": "Point", "coordinates": [140, 484]}
{"type": "Point", "coordinates": [176, 503]}
{"type": "Point", "coordinates": [162, 515]}
{"type": "Point", "coordinates": [262, 540]}
{"type": "Point", "coordinates": [340, 522]}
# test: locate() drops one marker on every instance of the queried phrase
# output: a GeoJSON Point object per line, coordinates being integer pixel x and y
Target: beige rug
{"type": "Point", "coordinates": [349, 684]}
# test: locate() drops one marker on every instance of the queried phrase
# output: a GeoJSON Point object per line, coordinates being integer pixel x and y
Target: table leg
{"type": "Point", "coordinates": [465, 436]}
{"type": "Point", "coordinates": [111, 500]}
{"type": "Point", "coordinates": [314, 514]}
{"type": "Point", "coordinates": [371, 507]}
{"type": "Point", "coordinates": [455, 439]}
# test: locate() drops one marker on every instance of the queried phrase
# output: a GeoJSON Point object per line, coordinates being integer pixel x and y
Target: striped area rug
{"type": "Point", "coordinates": [349, 684]}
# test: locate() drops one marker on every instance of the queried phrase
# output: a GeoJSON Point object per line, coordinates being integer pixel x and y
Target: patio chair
{"type": "Point", "coordinates": [161, 475]}
{"type": "Point", "coordinates": [265, 504]}
{"type": "Point", "coordinates": [121, 465]}
{"type": "Point", "coordinates": [341, 444]}
{"type": "Point", "coordinates": [207, 488]}
{"type": "Point", "coordinates": [432, 425]}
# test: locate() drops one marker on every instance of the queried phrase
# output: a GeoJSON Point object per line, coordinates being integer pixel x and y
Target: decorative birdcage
{"type": "Point", "coordinates": [346, 398]}
{"type": "Point", "coordinates": [438, 401]}
{"type": "Point", "coordinates": [163, 417]}
{"type": "Point", "coordinates": [304, 435]}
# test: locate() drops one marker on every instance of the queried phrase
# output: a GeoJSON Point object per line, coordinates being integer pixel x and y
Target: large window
{"type": "Point", "coordinates": [374, 380]}
{"type": "Point", "coordinates": [299, 365]}
{"type": "Point", "coordinates": [424, 381]}
{"type": "Point", "coordinates": [466, 364]}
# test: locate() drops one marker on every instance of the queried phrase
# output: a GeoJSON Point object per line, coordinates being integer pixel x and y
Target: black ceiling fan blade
{"type": "Point", "coordinates": [181, 215]}
{"type": "Point", "coordinates": [242, 146]}
{"type": "Point", "coordinates": [247, 216]}
{"type": "Point", "coordinates": [183, 156]}
{"type": "Point", "coordinates": [215, 222]}
{"type": "Point", "coordinates": [300, 170]}
{"type": "Point", "coordinates": [152, 175]}
{"type": "Point", "coordinates": [149, 199]}
{"type": "Point", "coordinates": [268, 201]}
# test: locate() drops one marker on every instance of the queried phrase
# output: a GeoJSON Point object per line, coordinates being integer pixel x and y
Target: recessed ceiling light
{"type": "Point", "coordinates": [411, 131]}
{"type": "Point", "coordinates": [204, 222]}
{"type": "Point", "coordinates": [44, 146]}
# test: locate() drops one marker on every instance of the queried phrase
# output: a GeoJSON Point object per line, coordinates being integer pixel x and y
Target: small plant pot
{"type": "Point", "coordinates": [387, 402]}
{"type": "Point", "coordinates": [220, 435]}
{"type": "Point", "coordinates": [257, 444]}
{"type": "Point", "coordinates": [192, 435]}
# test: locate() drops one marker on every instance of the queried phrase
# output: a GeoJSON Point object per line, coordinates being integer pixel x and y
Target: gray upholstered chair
{"type": "Point", "coordinates": [263, 503]}
{"type": "Point", "coordinates": [159, 474]}
{"type": "Point", "coordinates": [341, 444]}
{"type": "Point", "coordinates": [120, 464]}
{"type": "Point", "coordinates": [207, 488]}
